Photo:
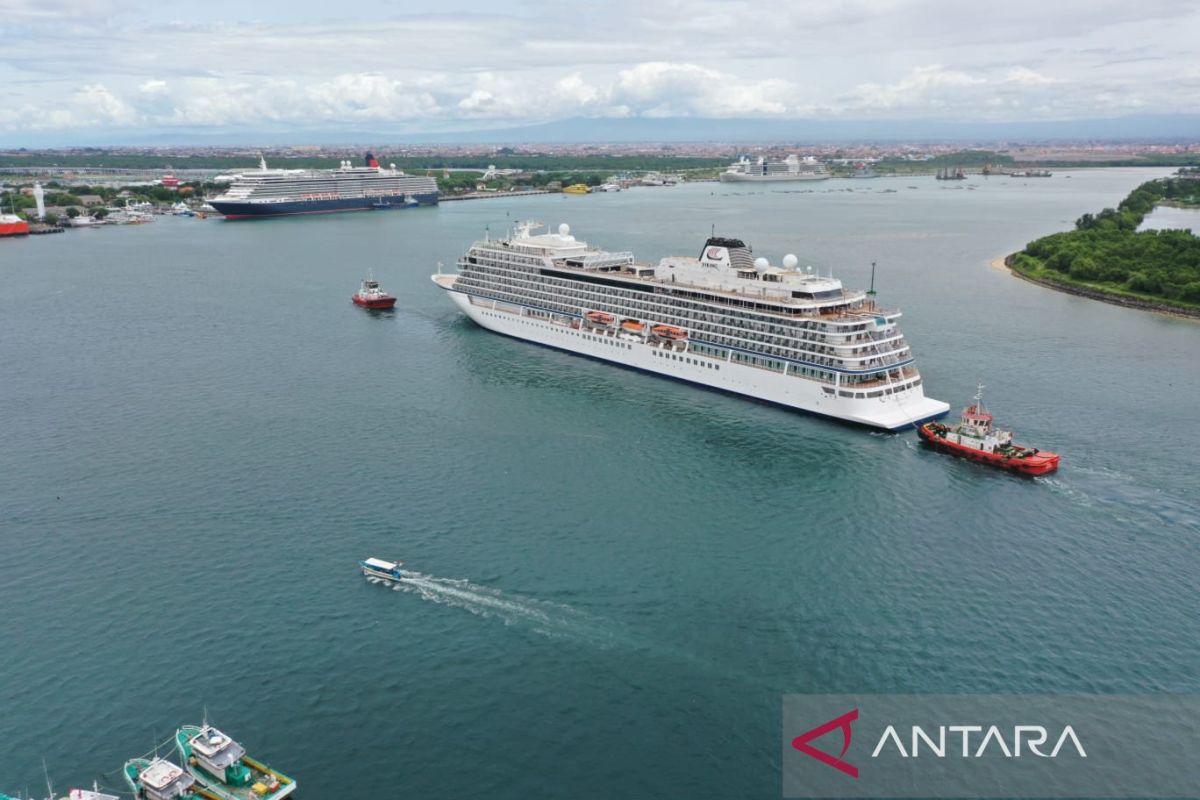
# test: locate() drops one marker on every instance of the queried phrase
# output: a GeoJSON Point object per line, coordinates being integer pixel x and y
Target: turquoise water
{"type": "Point", "coordinates": [201, 436]}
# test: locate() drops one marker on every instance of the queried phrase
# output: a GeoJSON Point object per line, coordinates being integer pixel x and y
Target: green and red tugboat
{"type": "Point", "coordinates": [975, 438]}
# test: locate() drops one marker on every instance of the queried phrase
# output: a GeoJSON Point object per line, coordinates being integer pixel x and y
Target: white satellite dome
{"type": "Point", "coordinates": [790, 261]}
{"type": "Point", "coordinates": [564, 229]}
{"type": "Point", "coordinates": [761, 264]}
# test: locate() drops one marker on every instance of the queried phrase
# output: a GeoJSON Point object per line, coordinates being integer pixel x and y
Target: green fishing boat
{"type": "Point", "coordinates": [221, 767]}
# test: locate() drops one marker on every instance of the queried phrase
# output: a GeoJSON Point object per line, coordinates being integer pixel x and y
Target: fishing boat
{"type": "Point", "coordinates": [89, 794]}
{"type": "Point", "coordinates": [383, 570]}
{"type": "Point", "coordinates": [221, 767]}
{"type": "Point", "coordinates": [72, 794]}
{"type": "Point", "coordinates": [159, 779]}
{"type": "Point", "coordinates": [977, 439]}
{"type": "Point", "coordinates": [371, 295]}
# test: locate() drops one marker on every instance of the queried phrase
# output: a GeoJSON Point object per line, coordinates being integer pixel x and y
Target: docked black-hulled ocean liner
{"type": "Point", "coordinates": [278, 192]}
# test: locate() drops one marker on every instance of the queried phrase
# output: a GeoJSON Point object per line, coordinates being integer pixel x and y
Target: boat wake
{"type": "Point", "coordinates": [553, 620]}
{"type": "Point", "coordinates": [1125, 499]}
{"type": "Point", "coordinates": [541, 616]}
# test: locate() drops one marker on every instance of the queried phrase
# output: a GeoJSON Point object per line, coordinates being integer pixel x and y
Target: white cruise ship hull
{"type": "Point", "coordinates": [741, 177]}
{"type": "Point", "coordinates": [889, 412]}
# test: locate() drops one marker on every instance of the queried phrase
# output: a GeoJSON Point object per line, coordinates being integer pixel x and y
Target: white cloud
{"type": "Point", "coordinates": [1027, 77]}
{"type": "Point", "coordinates": [667, 89]}
{"type": "Point", "coordinates": [177, 66]}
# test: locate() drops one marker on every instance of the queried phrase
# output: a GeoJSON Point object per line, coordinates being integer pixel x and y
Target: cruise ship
{"type": "Point", "coordinates": [278, 192]}
{"type": "Point", "coordinates": [792, 168]}
{"type": "Point", "coordinates": [722, 319]}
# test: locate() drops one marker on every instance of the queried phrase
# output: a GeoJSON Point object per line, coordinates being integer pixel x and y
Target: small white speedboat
{"type": "Point", "coordinates": [384, 570]}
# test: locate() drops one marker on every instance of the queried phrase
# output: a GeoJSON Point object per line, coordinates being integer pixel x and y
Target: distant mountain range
{"type": "Point", "coordinates": [1173, 127]}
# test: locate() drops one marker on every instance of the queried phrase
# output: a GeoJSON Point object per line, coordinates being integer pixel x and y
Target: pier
{"type": "Point", "coordinates": [490, 195]}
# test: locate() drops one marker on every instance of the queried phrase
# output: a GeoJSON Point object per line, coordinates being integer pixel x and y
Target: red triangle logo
{"type": "Point", "coordinates": [801, 742]}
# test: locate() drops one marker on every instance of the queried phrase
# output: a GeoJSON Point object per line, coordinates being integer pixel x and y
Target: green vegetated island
{"type": "Point", "coordinates": [1107, 258]}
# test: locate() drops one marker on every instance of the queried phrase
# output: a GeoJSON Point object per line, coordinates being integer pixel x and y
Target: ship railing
{"type": "Point", "coordinates": [598, 262]}
{"type": "Point", "coordinates": [906, 372]}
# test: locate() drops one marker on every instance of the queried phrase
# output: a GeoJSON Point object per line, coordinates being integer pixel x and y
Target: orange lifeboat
{"type": "Point", "coordinates": [632, 325]}
{"type": "Point", "coordinates": [669, 332]}
{"type": "Point", "coordinates": [599, 318]}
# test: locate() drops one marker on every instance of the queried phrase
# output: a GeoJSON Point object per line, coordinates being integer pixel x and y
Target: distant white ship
{"type": "Point", "coordinates": [277, 192]}
{"type": "Point", "coordinates": [722, 319]}
{"type": "Point", "coordinates": [792, 168]}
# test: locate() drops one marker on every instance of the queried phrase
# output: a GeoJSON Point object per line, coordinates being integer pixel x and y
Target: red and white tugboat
{"type": "Point", "coordinates": [12, 225]}
{"type": "Point", "coordinates": [371, 295]}
{"type": "Point", "coordinates": [976, 439]}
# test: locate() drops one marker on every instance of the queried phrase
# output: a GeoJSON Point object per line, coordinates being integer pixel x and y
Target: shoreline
{"type": "Point", "coordinates": [1001, 263]}
{"type": "Point", "coordinates": [1005, 263]}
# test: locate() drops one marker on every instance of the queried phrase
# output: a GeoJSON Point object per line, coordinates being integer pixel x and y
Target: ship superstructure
{"type": "Point", "coordinates": [158, 779]}
{"type": "Point", "coordinates": [723, 319]}
{"type": "Point", "coordinates": [792, 168]}
{"type": "Point", "coordinates": [276, 192]}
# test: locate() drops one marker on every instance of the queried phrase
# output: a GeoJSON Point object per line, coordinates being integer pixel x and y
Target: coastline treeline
{"type": "Point", "coordinates": [1107, 252]}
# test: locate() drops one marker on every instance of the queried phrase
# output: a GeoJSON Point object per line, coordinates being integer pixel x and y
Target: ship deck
{"type": "Point", "coordinates": [789, 305]}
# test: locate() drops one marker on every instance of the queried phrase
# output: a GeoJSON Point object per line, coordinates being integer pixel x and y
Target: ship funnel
{"type": "Point", "coordinates": [721, 252]}
{"type": "Point", "coordinates": [371, 161]}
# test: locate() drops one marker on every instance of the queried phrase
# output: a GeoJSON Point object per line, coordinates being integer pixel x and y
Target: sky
{"type": "Point", "coordinates": [89, 70]}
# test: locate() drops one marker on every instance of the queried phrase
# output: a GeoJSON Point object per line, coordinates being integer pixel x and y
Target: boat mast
{"type": "Point", "coordinates": [979, 399]}
{"type": "Point", "coordinates": [871, 291]}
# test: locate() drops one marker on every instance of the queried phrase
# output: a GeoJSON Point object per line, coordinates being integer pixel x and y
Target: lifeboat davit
{"type": "Point", "coordinates": [633, 326]}
{"type": "Point", "coordinates": [669, 332]}
{"type": "Point", "coordinates": [599, 318]}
